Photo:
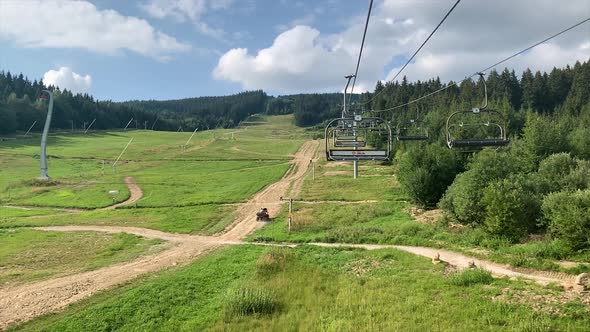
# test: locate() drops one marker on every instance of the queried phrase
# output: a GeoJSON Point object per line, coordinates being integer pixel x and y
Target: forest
{"type": "Point", "coordinates": [20, 107]}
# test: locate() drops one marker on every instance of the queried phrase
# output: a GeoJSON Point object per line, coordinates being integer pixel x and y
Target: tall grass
{"type": "Point", "coordinates": [250, 300]}
{"type": "Point", "coordinates": [471, 277]}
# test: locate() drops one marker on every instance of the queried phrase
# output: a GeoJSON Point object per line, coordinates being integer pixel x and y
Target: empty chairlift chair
{"type": "Point", "coordinates": [477, 127]}
{"type": "Point", "coordinates": [412, 131]}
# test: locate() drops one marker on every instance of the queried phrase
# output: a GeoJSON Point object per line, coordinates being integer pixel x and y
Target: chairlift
{"type": "Point", "coordinates": [346, 139]}
{"type": "Point", "coordinates": [486, 130]}
{"type": "Point", "coordinates": [412, 130]}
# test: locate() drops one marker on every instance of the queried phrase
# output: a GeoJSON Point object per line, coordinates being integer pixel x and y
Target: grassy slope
{"type": "Point", "coordinates": [27, 255]}
{"type": "Point", "coordinates": [316, 289]}
{"type": "Point", "coordinates": [209, 171]}
{"type": "Point", "coordinates": [185, 188]}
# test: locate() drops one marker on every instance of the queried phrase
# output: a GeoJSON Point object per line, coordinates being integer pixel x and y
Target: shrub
{"type": "Point", "coordinates": [553, 170]}
{"type": "Point", "coordinates": [580, 141]}
{"type": "Point", "coordinates": [579, 177]}
{"type": "Point", "coordinates": [511, 209]}
{"type": "Point", "coordinates": [543, 136]}
{"type": "Point", "coordinates": [463, 198]}
{"type": "Point", "coordinates": [568, 215]}
{"type": "Point", "coordinates": [471, 277]}
{"type": "Point", "coordinates": [273, 261]}
{"type": "Point", "coordinates": [425, 173]}
{"type": "Point", "coordinates": [250, 300]}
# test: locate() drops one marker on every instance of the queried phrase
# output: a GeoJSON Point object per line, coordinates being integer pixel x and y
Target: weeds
{"type": "Point", "coordinates": [471, 277]}
{"type": "Point", "coordinates": [273, 261]}
{"type": "Point", "coordinates": [246, 301]}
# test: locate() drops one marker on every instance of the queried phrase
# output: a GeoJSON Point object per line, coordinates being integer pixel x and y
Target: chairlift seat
{"type": "Point", "coordinates": [478, 142]}
{"type": "Point", "coordinates": [412, 138]}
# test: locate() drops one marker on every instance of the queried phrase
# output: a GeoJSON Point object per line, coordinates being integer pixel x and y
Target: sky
{"type": "Point", "coordinates": [170, 49]}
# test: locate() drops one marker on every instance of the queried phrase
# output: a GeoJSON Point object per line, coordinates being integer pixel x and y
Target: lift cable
{"type": "Point", "coordinates": [361, 50]}
{"type": "Point", "coordinates": [485, 69]}
{"type": "Point", "coordinates": [418, 50]}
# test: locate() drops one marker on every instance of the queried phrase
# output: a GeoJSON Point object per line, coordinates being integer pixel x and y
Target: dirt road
{"type": "Point", "coordinates": [24, 302]}
{"type": "Point", "coordinates": [135, 194]}
{"type": "Point", "coordinates": [245, 221]}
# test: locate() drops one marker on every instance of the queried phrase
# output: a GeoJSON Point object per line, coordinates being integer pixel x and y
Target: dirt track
{"type": "Point", "coordinates": [462, 261]}
{"type": "Point", "coordinates": [27, 301]}
{"type": "Point", "coordinates": [135, 194]}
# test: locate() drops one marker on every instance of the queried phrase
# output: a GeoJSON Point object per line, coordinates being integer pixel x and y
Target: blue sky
{"type": "Point", "coordinates": [168, 49]}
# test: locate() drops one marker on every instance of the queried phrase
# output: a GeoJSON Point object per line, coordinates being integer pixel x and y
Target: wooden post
{"type": "Point", "coordinates": [290, 213]}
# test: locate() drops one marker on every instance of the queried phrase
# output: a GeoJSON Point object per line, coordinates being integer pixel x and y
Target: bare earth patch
{"type": "Point", "coordinates": [429, 217]}
{"type": "Point", "coordinates": [363, 266]}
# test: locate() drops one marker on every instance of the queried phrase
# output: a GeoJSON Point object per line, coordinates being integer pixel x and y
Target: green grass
{"type": "Point", "coordinates": [384, 222]}
{"type": "Point", "coordinates": [9, 213]}
{"type": "Point", "coordinates": [190, 183]}
{"type": "Point", "coordinates": [311, 289]}
{"type": "Point", "coordinates": [375, 183]}
{"type": "Point", "coordinates": [27, 255]}
{"type": "Point", "coordinates": [471, 277]}
{"type": "Point", "coordinates": [204, 219]}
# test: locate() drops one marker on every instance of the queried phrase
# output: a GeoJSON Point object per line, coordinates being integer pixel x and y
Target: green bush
{"type": "Point", "coordinates": [425, 173]}
{"type": "Point", "coordinates": [249, 301]}
{"type": "Point", "coordinates": [543, 136]}
{"type": "Point", "coordinates": [511, 209]}
{"type": "Point", "coordinates": [471, 277]}
{"type": "Point", "coordinates": [462, 201]}
{"type": "Point", "coordinates": [568, 216]}
{"type": "Point", "coordinates": [580, 141]}
{"type": "Point", "coordinates": [579, 177]}
{"type": "Point", "coordinates": [273, 261]}
{"type": "Point", "coordinates": [553, 170]}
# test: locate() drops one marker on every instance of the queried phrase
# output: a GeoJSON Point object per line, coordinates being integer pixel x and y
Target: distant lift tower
{"type": "Point", "coordinates": [43, 155]}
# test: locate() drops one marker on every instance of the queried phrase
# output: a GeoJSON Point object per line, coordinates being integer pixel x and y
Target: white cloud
{"type": "Point", "coordinates": [477, 34]}
{"type": "Point", "coordinates": [188, 10]}
{"type": "Point", "coordinates": [79, 24]}
{"type": "Point", "coordinates": [65, 78]}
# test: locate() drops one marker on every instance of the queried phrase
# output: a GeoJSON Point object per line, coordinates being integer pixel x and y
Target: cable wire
{"type": "Point", "coordinates": [360, 51]}
{"type": "Point", "coordinates": [418, 50]}
{"type": "Point", "coordinates": [485, 69]}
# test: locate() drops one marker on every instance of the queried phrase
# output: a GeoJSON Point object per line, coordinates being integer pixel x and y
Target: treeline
{"type": "Point", "coordinates": [308, 109]}
{"type": "Point", "coordinates": [538, 184]}
{"type": "Point", "coordinates": [206, 112]}
{"type": "Point", "coordinates": [20, 107]}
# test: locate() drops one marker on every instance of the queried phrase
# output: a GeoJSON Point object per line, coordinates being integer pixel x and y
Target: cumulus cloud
{"type": "Point", "coordinates": [187, 10]}
{"type": "Point", "coordinates": [79, 24]}
{"type": "Point", "coordinates": [65, 78]}
{"type": "Point", "coordinates": [477, 34]}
